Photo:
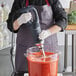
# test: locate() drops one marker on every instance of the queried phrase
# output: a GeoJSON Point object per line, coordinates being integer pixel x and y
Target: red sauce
{"type": "Point", "coordinates": [38, 67]}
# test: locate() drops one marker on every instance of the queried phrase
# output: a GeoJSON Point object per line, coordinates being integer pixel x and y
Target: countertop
{"type": "Point", "coordinates": [71, 27]}
{"type": "Point", "coordinates": [69, 74]}
{"type": "Point", "coordinates": [62, 74]}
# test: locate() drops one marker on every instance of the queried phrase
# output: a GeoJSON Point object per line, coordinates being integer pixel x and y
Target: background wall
{"type": "Point", "coordinates": [65, 3]}
{"type": "Point", "coordinates": [9, 2]}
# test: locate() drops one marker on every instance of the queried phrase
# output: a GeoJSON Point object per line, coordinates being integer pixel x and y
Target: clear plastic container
{"type": "Point", "coordinates": [38, 65]}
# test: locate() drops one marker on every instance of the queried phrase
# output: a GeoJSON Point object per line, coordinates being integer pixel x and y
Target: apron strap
{"type": "Point", "coordinates": [27, 2]}
{"type": "Point", "coordinates": [47, 2]}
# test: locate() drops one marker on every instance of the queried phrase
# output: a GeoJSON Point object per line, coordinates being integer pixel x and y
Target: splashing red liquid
{"type": "Point", "coordinates": [38, 67]}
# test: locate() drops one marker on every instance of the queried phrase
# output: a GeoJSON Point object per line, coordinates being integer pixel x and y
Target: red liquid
{"type": "Point", "coordinates": [42, 68]}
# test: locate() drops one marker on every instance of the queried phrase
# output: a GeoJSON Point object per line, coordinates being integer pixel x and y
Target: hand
{"type": "Point", "coordinates": [44, 34]}
{"type": "Point", "coordinates": [24, 18]}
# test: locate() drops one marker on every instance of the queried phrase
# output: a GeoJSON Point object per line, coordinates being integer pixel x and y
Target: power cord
{"type": "Point", "coordinates": [11, 53]}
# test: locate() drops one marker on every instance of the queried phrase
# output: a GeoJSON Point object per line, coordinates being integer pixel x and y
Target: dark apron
{"type": "Point", "coordinates": [25, 39]}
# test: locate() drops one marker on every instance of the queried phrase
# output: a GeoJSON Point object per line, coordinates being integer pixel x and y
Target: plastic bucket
{"type": "Point", "coordinates": [40, 66]}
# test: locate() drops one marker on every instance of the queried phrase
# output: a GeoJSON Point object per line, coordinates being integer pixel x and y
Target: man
{"type": "Point", "coordinates": [52, 20]}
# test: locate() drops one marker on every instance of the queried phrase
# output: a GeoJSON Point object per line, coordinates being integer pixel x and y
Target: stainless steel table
{"type": "Point", "coordinates": [73, 34]}
{"type": "Point", "coordinates": [69, 74]}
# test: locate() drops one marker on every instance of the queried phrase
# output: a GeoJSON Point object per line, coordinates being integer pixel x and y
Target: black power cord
{"type": "Point", "coordinates": [11, 53]}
